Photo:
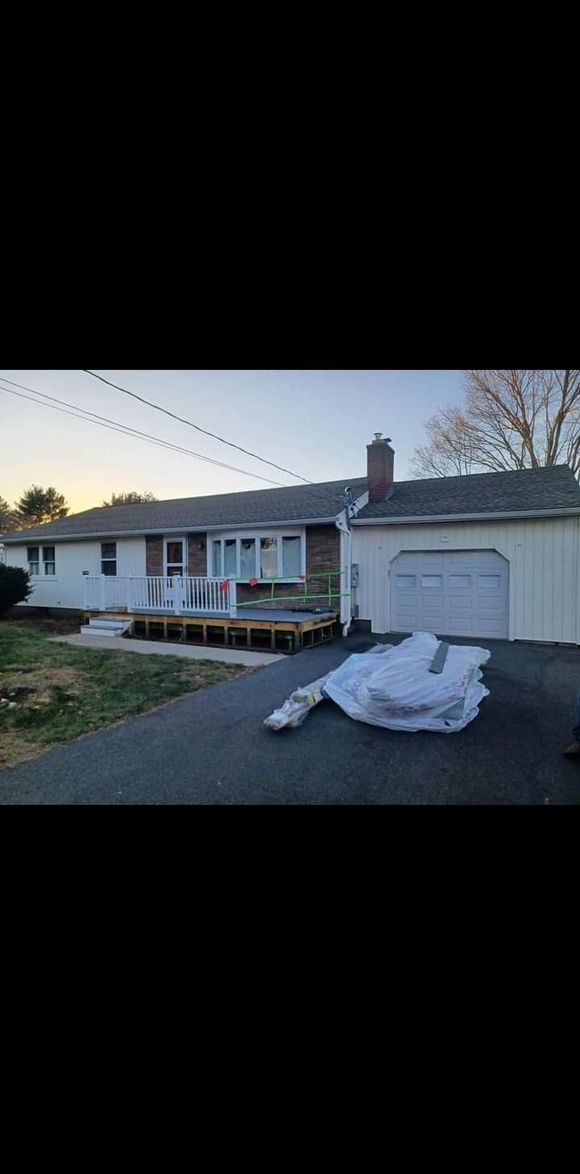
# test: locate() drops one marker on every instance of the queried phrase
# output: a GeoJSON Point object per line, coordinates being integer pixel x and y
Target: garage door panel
{"type": "Point", "coordinates": [459, 559]}
{"type": "Point", "coordinates": [453, 628]}
{"type": "Point", "coordinates": [491, 628]}
{"type": "Point", "coordinates": [461, 593]}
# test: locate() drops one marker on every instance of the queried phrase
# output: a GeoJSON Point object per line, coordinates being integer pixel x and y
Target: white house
{"type": "Point", "coordinates": [491, 555]}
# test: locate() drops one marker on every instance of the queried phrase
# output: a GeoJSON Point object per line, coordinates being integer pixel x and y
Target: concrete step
{"type": "Point", "coordinates": [96, 622]}
{"type": "Point", "coordinates": [98, 630]}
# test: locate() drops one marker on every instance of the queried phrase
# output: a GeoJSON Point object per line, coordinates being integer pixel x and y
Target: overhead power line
{"type": "Point", "coordinates": [124, 429]}
{"type": "Point", "coordinates": [190, 423]}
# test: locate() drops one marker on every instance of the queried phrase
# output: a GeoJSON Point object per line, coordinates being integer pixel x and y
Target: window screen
{"type": "Point", "coordinates": [247, 558]}
{"type": "Point", "coordinates": [216, 558]}
{"type": "Point", "coordinates": [108, 558]}
{"type": "Point", "coordinates": [291, 557]}
{"type": "Point", "coordinates": [49, 560]}
{"type": "Point", "coordinates": [230, 561]}
{"type": "Point", "coordinates": [268, 558]}
{"type": "Point", "coordinates": [33, 556]}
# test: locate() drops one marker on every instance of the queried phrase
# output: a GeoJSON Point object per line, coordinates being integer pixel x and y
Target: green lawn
{"type": "Point", "coordinates": [78, 690]}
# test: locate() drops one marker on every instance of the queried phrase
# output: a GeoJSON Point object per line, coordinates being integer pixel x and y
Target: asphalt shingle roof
{"type": "Point", "coordinates": [480, 493]}
{"type": "Point", "coordinates": [520, 490]}
{"type": "Point", "coordinates": [290, 503]}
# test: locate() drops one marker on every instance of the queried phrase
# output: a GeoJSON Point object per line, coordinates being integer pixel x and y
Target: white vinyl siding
{"type": "Point", "coordinates": [65, 588]}
{"type": "Point", "coordinates": [543, 556]}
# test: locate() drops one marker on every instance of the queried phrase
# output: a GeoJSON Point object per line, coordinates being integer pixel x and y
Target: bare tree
{"type": "Point", "coordinates": [510, 420]}
{"type": "Point", "coordinates": [451, 449]}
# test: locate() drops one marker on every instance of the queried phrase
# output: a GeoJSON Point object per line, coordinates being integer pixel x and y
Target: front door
{"type": "Point", "coordinates": [175, 567]}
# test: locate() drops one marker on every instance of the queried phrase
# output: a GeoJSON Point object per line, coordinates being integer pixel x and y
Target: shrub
{"type": "Point", "coordinates": [15, 586]}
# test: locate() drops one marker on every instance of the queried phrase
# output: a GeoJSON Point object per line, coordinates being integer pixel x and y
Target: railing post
{"type": "Point", "coordinates": [102, 596]}
{"type": "Point", "coordinates": [177, 606]}
{"type": "Point", "coordinates": [233, 599]}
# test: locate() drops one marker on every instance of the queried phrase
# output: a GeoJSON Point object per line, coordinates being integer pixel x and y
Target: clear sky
{"type": "Point", "coordinates": [316, 423]}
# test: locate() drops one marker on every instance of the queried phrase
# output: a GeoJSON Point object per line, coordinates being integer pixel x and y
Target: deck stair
{"type": "Point", "coordinates": [99, 627]}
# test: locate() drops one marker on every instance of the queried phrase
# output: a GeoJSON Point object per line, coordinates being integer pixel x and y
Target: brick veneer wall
{"type": "Point", "coordinates": [196, 558]}
{"type": "Point", "coordinates": [154, 555]}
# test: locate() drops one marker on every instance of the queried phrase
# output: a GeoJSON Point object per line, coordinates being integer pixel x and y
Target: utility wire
{"type": "Point", "coordinates": [125, 430]}
{"type": "Point", "coordinates": [197, 426]}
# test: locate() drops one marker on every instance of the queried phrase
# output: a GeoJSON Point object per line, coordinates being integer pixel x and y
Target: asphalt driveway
{"type": "Point", "coordinates": [212, 748]}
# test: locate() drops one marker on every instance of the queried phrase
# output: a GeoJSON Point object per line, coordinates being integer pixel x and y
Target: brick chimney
{"type": "Point", "coordinates": [380, 468]}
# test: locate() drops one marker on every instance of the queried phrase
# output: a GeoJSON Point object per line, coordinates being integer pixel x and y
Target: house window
{"type": "Point", "coordinates": [264, 556]}
{"type": "Point", "coordinates": [247, 558]}
{"type": "Point", "coordinates": [216, 558]}
{"type": "Point", "coordinates": [268, 558]}
{"type": "Point", "coordinates": [290, 558]}
{"type": "Point", "coordinates": [33, 556]}
{"type": "Point", "coordinates": [49, 560]}
{"type": "Point", "coordinates": [230, 559]}
{"type": "Point", "coordinates": [108, 558]}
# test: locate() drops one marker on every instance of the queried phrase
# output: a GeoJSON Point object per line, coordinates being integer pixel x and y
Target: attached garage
{"type": "Point", "coordinates": [459, 593]}
{"type": "Point", "coordinates": [484, 555]}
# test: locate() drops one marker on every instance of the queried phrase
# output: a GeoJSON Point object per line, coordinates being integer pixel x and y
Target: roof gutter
{"type": "Point", "coordinates": [567, 511]}
{"type": "Point", "coordinates": [15, 536]}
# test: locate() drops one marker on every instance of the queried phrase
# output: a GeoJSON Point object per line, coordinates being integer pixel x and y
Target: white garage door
{"type": "Point", "coordinates": [452, 593]}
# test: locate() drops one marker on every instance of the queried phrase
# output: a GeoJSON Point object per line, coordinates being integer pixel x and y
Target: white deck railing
{"type": "Point", "coordinates": [173, 595]}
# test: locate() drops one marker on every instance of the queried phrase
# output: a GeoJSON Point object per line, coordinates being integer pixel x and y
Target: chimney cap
{"type": "Point", "coordinates": [380, 439]}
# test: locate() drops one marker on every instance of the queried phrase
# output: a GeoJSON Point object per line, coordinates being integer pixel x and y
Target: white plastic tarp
{"type": "Point", "coordinates": [396, 690]}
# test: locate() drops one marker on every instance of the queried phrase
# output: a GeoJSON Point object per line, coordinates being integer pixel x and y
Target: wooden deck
{"type": "Point", "coordinates": [259, 629]}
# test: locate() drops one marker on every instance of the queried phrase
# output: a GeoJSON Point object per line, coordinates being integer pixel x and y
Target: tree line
{"type": "Point", "coordinates": [39, 505]}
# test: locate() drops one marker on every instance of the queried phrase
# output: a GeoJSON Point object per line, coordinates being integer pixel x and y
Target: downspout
{"type": "Point", "coordinates": [342, 523]}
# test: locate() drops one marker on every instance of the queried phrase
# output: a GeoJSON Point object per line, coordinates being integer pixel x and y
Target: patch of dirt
{"type": "Point", "coordinates": [14, 749]}
{"type": "Point", "coordinates": [41, 680]}
{"type": "Point", "coordinates": [55, 625]}
{"type": "Point", "coordinates": [15, 746]}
